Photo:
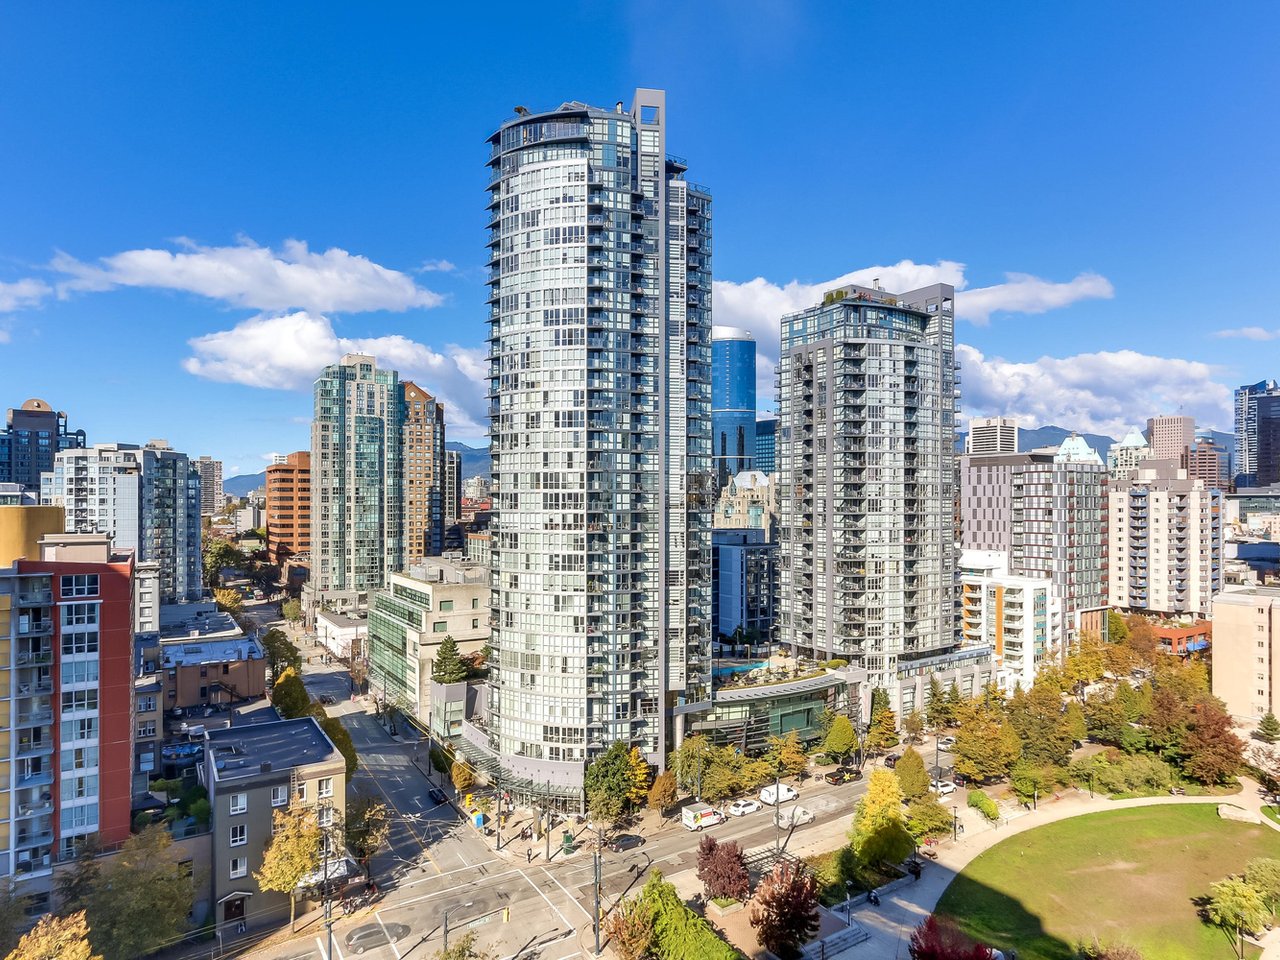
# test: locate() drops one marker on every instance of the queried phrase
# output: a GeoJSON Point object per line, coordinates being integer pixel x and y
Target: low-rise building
{"type": "Point", "coordinates": [1246, 651]}
{"type": "Point", "coordinates": [250, 772]}
{"type": "Point", "coordinates": [1019, 617]}
{"type": "Point", "coordinates": [342, 635]}
{"type": "Point", "coordinates": [201, 657]}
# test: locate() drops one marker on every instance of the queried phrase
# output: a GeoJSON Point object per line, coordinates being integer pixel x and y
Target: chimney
{"type": "Point", "coordinates": [618, 107]}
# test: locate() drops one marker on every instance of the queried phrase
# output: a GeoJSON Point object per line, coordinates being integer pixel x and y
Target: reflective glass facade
{"type": "Point", "coordinates": [733, 402]}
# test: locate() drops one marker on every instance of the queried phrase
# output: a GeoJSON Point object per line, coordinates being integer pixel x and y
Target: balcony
{"type": "Point", "coordinates": [36, 598]}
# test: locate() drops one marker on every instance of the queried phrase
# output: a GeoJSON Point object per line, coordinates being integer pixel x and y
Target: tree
{"type": "Point", "coordinates": [13, 915]}
{"type": "Point", "coordinates": [1142, 640]}
{"type": "Point", "coordinates": [229, 600]}
{"type": "Point", "coordinates": [1117, 628]}
{"type": "Point", "coordinates": [787, 755]}
{"type": "Point", "coordinates": [1214, 753]}
{"type": "Point", "coordinates": [56, 938]}
{"type": "Point", "coordinates": [690, 763]}
{"type": "Point", "coordinates": [678, 932]}
{"type": "Point", "coordinates": [609, 774]}
{"type": "Point", "coordinates": [706, 850]}
{"type": "Point", "coordinates": [840, 738]}
{"type": "Point", "coordinates": [1073, 721]}
{"type": "Point", "coordinates": [1030, 781]}
{"type": "Point", "coordinates": [337, 732]}
{"type": "Point", "coordinates": [1268, 728]}
{"type": "Point", "coordinates": [1263, 874]}
{"type": "Point", "coordinates": [884, 730]}
{"type": "Point", "coordinates": [926, 817]}
{"type": "Point", "coordinates": [289, 695]}
{"type": "Point", "coordinates": [722, 869]}
{"type": "Point", "coordinates": [606, 807]}
{"type": "Point", "coordinates": [448, 666]}
{"type": "Point", "coordinates": [662, 794]}
{"type": "Point", "coordinates": [142, 899]}
{"type": "Point", "coordinates": [1166, 721]}
{"type": "Point", "coordinates": [367, 827]}
{"type": "Point", "coordinates": [913, 725]}
{"type": "Point", "coordinates": [75, 886]}
{"type": "Point", "coordinates": [462, 777]}
{"type": "Point", "coordinates": [986, 745]}
{"type": "Point", "coordinates": [291, 610]}
{"type": "Point", "coordinates": [1036, 716]}
{"type": "Point", "coordinates": [940, 939]}
{"type": "Point", "coordinates": [1087, 663]}
{"type": "Point", "coordinates": [629, 927]}
{"type": "Point", "coordinates": [464, 948]}
{"type": "Point", "coordinates": [1236, 906]}
{"type": "Point", "coordinates": [879, 833]}
{"type": "Point", "coordinates": [638, 774]}
{"type": "Point", "coordinates": [936, 710]}
{"type": "Point", "coordinates": [294, 852]}
{"type": "Point", "coordinates": [280, 652]}
{"type": "Point", "coordinates": [954, 702]}
{"type": "Point", "coordinates": [912, 776]}
{"type": "Point", "coordinates": [784, 912]}
{"type": "Point", "coordinates": [219, 553]}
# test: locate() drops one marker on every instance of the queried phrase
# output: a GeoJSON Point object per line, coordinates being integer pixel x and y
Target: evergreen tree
{"type": "Point", "coordinates": [912, 775]}
{"type": "Point", "coordinates": [448, 666]}
{"type": "Point", "coordinates": [954, 702]}
{"type": "Point", "coordinates": [1268, 728]}
{"type": "Point", "coordinates": [289, 695]}
{"type": "Point", "coordinates": [1038, 719]}
{"type": "Point", "coordinates": [840, 738]}
{"type": "Point", "coordinates": [936, 711]}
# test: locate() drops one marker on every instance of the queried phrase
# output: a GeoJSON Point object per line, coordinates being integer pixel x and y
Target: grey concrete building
{"type": "Point", "coordinates": [212, 498]}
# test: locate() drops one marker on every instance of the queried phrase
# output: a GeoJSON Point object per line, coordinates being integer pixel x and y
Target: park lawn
{"type": "Point", "coordinates": [1271, 813]}
{"type": "Point", "coordinates": [1124, 875]}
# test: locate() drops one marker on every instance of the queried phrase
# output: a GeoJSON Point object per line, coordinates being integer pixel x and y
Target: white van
{"type": "Point", "coordinates": [772, 796]}
{"type": "Point", "coordinates": [695, 816]}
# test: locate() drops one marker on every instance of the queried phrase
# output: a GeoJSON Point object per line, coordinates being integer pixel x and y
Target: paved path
{"type": "Point", "coordinates": [901, 911]}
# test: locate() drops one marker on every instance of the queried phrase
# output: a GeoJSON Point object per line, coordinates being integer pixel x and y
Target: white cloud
{"type": "Point", "coordinates": [22, 293]}
{"type": "Point", "coordinates": [247, 275]}
{"type": "Point", "coordinates": [1105, 392]}
{"type": "Point", "coordinates": [1249, 333]}
{"type": "Point", "coordinates": [437, 266]}
{"type": "Point", "coordinates": [1023, 293]}
{"type": "Point", "coordinates": [287, 351]}
{"type": "Point", "coordinates": [270, 456]}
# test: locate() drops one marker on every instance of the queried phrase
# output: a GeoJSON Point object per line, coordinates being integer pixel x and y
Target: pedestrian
{"type": "Point", "coordinates": [528, 855]}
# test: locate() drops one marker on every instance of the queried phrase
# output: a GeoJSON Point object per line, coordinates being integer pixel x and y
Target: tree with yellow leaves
{"type": "Point", "coordinates": [294, 851]}
{"type": "Point", "coordinates": [638, 774]}
{"type": "Point", "coordinates": [56, 938]}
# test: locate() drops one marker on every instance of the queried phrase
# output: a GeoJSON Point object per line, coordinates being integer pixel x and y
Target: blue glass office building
{"type": "Point", "coordinates": [766, 446]}
{"type": "Point", "coordinates": [733, 401]}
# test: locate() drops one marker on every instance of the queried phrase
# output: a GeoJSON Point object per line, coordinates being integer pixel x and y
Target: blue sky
{"type": "Point", "coordinates": [202, 204]}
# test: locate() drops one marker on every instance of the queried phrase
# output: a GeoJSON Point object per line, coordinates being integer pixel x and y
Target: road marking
{"type": "Point", "coordinates": [407, 822]}
{"type": "Point", "coordinates": [441, 893]}
{"type": "Point", "coordinates": [418, 802]}
{"type": "Point", "coordinates": [566, 893]}
{"type": "Point", "coordinates": [323, 952]}
{"type": "Point", "coordinates": [543, 895]}
{"type": "Point", "coordinates": [391, 943]}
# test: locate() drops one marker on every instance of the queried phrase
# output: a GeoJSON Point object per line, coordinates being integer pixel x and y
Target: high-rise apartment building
{"type": "Point", "coordinates": [766, 458]}
{"type": "Point", "coordinates": [992, 435]}
{"type": "Point", "coordinates": [1247, 398]}
{"type": "Point", "coordinates": [1165, 550]}
{"type": "Point", "coordinates": [423, 458]}
{"type": "Point", "coordinates": [1268, 430]}
{"type": "Point", "coordinates": [1020, 618]}
{"type": "Point", "coordinates": [1209, 462]}
{"type": "Point", "coordinates": [600, 347]}
{"type": "Point", "coordinates": [733, 402]}
{"type": "Point", "coordinates": [147, 499]}
{"type": "Point", "coordinates": [357, 514]}
{"type": "Point", "coordinates": [33, 435]}
{"type": "Point", "coordinates": [289, 507]}
{"type": "Point", "coordinates": [66, 649]}
{"type": "Point", "coordinates": [1170, 436]}
{"type": "Point", "coordinates": [866, 449]}
{"type": "Point", "coordinates": [451, 488]}
{"type": "Point", "coordinates": [211, 496]}
{"type": "Point", "coordinates": [1045, 510]}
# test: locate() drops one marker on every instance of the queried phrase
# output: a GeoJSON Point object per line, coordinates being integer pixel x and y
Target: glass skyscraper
{"type": "Point", "coordinates": [733, 402]}
{"type": "Point", "coordinates": [766, 460]}
{"type": "Point", "coordinates": [600, 385]}
{"type": "Point", "coordinates": [1247, 439]}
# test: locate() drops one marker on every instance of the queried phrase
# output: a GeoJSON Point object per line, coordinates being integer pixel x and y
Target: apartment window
{"type": "Point", "coordinates": [324, 788]}
{"type": "Point", "coordinates": [146, 704]}
{"type": "Point", "coordinates": [80, 585]}
{"type": "Point", "coordinates": [239, 867]}
{"type": "Point", "coordinates": [239, 803]}
{"type": "Point", "coordinates": [279, 796]}
{"type": "Point", "coordinates": [85, 728]}
{"type": "Point", "coordinates": [475, 603]}
{"type": "Point", "coordinates": [79, 614]}
{"type": "Point", "coordinates": [302, 792]}
{"type": "Point", "coordinates": [80, 671]}
{"type": "Point", "coordinates": [475, 623]}
{"type": "Point", "coordinates": [446, 605]}
{"type": "Point", "coordinates": [73, 643]}
{"type": "Point", "coordinates": [440, 626]}
{"type": "Point", "coordinates": [80, 758]}
{"type": "Point", "coordinates": [325, 817]}
{"type": "Point", "coordinates": [239, 835]}
{"type": "Point", "coordinates": [73, 700]}
{"type": "Point", "coordinates": [146, 730]}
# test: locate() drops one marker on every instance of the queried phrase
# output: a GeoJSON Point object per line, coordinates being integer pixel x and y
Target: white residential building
{"type": "Point", "coordinates": [992, 435]}
{"type": "Point", "coordinates": [1125, 456]}
{"type": "Point", "coordinates": [1019, 618]}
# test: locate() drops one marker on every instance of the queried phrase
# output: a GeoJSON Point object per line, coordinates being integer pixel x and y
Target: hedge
{"type": "Point", "coordinates": [984, 805]}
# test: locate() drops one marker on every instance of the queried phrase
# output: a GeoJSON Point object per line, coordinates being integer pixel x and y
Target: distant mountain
{"type": "Point", "coordinates": [475, 460]}
{"type": "Point", "coordinates": [1050, 436]}
{"type": "Point", "coordinates": [242, 486]}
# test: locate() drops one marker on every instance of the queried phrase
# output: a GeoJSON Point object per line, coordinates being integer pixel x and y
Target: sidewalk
{"type": "Point", "coordinates": [901, 911]}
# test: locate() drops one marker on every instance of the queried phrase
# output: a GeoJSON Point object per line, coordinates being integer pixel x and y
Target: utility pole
{"type": "Point", "coordinates": [596, 884]}
{"type": "Point", "coordinates": [328, 892]}
{"type": "Point", "coordinates": [777, 813]}
{"type": "Point", "coordinates": [497, 797]}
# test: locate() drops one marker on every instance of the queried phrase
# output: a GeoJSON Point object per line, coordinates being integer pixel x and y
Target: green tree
{"type": "Point", "coordinates": [449, 666]}
{"type": "Point", "coordinates": [1236, 906]}
{"type": "Point", "coordinates": [1263, 874]}
{"type": "Point", "coordinates": [367, 827]}
{"type": "Point", "coordinates": [280, 652]}
{"type": "Point", "coordinates": [75, 885]}
{"type": "Point", "coordinates": [142, 898]}
{"type": "Point", "coordinates": [840, 738]}
{"type": "Point", "coordinates": [884, 731]}
{"type": "Point", "coordinates": [926, 817]}
{"type": "Point", "coordinates": [1167, 718]}
{"type": "Point", "coordinates": [913, 726]}
{"type": "Point", "coordinates": [787, 755]}
{"type": "Point", "coordinates": [219, 553]}
{"type": "Point", "coordinates": [986, 745]}
{"type": "Point", "coordinates": [936, 710]}
{"type": "Point", "coordinates": [335, 730]}
{"type": "Point", "coordinates": [629, 927]}
{"type": "Point", "coordinates": [984, 805]}
{"type": "Point", "coordinates": [784, 912]}
{"type": "Point", "coordinates": [294, 852]}
{"type": "Point", "coordinates": [1030, 781]}
{"type": "Point", "coordinates": [462, 777]}
{"type": "Point", "coordinates": [662, 794]}
{"type": "Point", "coordinates": [1213, 751]}
{"type": "Point", "coordinates": [1037, 718]}
{"type": "Point", "coordinates": [879, 700]}
{"type": "Point", "coordinates": [1108, 722]}
{"type": "Point", "coordinates": [291, 610]}
{"type": "Point", "coordinates": [912, 776]}
{"type": "Point", "coordinates": [1117, 628]}
{"type": "Point", "coordinates": [954, 701]}
{"type": "Point", "coordinates": [678, 932]}
{"type": "Point", "coordinates": [638, 774]}
{"type": "Point", "coordinates": [610, 773]}
{"type": "Point", "coordinates": [464, 948]}
{"type": "Point", "coordinates": [879, 832]}
{"type": "Point", "coordinates": [690, 763]}
{"type": "Point", "coordinates": [56, 938]}
{"type": "Point", "coordinates": [1073, 720]}
{"type": "Point", "coordinates": [1268, 728]}
{"type": "Point", "coordinates": [289, 695]}
{"type": "Point", "coordinates": [605, 807]}
{"type": "Point", "coordinates": [13, 915]}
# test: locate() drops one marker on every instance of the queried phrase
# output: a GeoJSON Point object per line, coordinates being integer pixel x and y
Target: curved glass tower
{"type": "Point", "coordinates": [600, 370]}
{"type": "Point", "coordinates": [733, 402]}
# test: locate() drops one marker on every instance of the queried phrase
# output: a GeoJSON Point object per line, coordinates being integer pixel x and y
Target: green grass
{"type": "Point", "coordinates": [1125, 875]}
{"type": "Point", "coordinates": [1271, 813]}
{"type": "Point", "coordinates": [826, 868]}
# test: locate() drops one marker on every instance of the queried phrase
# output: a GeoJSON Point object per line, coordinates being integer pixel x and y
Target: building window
{"type": "Point", "coordinates": [73, 700]}
{"type": "Point", "coordinates": [73, 643]}
{"type": "Point", "coordinates": [302, 792]}
{"type": "Point", "coordinates": [475, 603]}
{"type": "Point", "coordinates": [325, 817]}
{"type": "Point", "coordinates": [324, 788]}
{"type": "Point", "coordinates": [146, 704]}
{"type": "Point", "coordinates": [146, 730]}
{"type": "Point", "coordinates": [239, 803]}
{"type": "Point", "coordinates": [239, 867]}
{"type": "Point", "coordinates": [80, 585]}
{"type": "Point", "coordinates": [239, 835]}
{"type": "Point", "coordinates": [79, 614]}
{"type": "Point", "coordinates": [475, 623]}
{"type": "Point", "coordinates": [279, 796]}
{"type": "Point", "coordinates": [440, 626]}
{"type": "Point", "coordinates": [446, 605]}
{"type": "Point", "coordinates": [146, 761]}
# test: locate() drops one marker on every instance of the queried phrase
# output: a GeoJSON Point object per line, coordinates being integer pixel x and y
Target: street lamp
{"type": "Point", "coordinates": [955, 823]}
{"type": "Point", "coordinates": [449, 910]}
{"type": "Point", "coordinates": [1035, 798]}
{"type": "Point", "coordinates": [1090, 784]}
{"type": "Point", "coordinates": [848, 903]}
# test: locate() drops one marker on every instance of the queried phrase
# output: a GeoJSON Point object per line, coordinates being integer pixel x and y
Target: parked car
{"type": "Point", "coordinates": [946, 743]}
{"type": "Point", "coordinates": [436, 796]}
{"type": "Point", "coordinates": [892, 759]}
{"type": "Point", "coordinates": [943, 788]}
{"type": "Point", "coordinates": [772, 796]}
{"type": "Point", "coordinates": [327, 699]}
{"type": "Point", "coordinates": [740, 808]}
{"type": "Point", "coordinates": [793, 817]}
{"type": "Point", "coordinates": [375, 935]}
{"type": "Point", "coordinates": [843, 775]}
{"type": "Point", "coordinates": [625, 841]}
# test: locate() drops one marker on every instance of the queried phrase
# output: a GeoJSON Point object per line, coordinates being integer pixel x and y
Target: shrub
{"type": "Point", "coordinates": [984, 805]}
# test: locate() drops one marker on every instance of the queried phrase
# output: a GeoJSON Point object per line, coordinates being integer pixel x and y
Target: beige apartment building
{"type": "Point", "coordinates": [423, 459]}
{"type": "Point", "coordinates": [1170, 436]}
{"type": "Point", "coordinates": [749, 501]}
{"type": "Point", "coordinates": [289, 506]}
{"type": "Point", "coordinates": [1246, 663]}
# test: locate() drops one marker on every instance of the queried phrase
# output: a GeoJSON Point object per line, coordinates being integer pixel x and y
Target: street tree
{"type": "Point", "coordinates": [787, 755]}
{"type": "Point", "coordinates": [289, 696]}
{"type": "Point", "coordinates": [784, 912]}
{"type": "Point", "coordinates": [936, 710]}
{"type": "Point", "coordinates": [605, 807]}
{"type": "Point", "coordinates": [662, 794]}
{"type": "Point", "coordinates": [610, 773]}
{"type": "Point", "coordinates": [926, 817]}
{"type": "Point", "coordinates": [336, 731]}
{"type": "Point", "coordinates": [449, 666]}
{"type": "Point", "coordinates": [883, 733]}
{"type": "Point", "coordinates": [280, 651]}
{"type": "Point", "coordinates": [367, 827]}
{"type": "Point", "coordinates": [359, 672]}
{"type": "Point", "coordinates": [218, 554]}
{"type": "Point", "coordinates": [464, 948]}
{"type": "Point", "coordinates": [879, 833]}
{"type": "Point", "coordinates": [1237, 907]}
{"type": "Point", "coordinates": [1268, 728]}
{"type": "Point", "coordinates": [462, 777]}
{"type": "Point", "coordinates": [1213, 751]}
{"type": "Point", "coordinates": [938, 938]}
{"type": "Point", "coordinates": [954, 701]}
{"type": "Point", "coordinates": [295, 850]}
{"type": "Point", "coordinates": [638, 774]}
{"type": "Point", "coordinates": [690, 763]}
{"type": "Point", "coordinates": [229, 600]}
{"type": "Point", "coordinates": [142, 898]}
{"type": "Point", "coordinates": [13, 914]}
{"type": "Point", "coordinates": [291, 610]}
{"type": "Point", "coordinates": [629, 927]}
{"type": "Point", "coordinates": [912, 776]}
{"type": "Point", "coordinates": [840, 738]}
{"type": "Point", "coordinates": [1263, 874]}
{"type": "Point", "coordinates": [913, 726]}
{"type": "Point", "coordinates": [56, 938]}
